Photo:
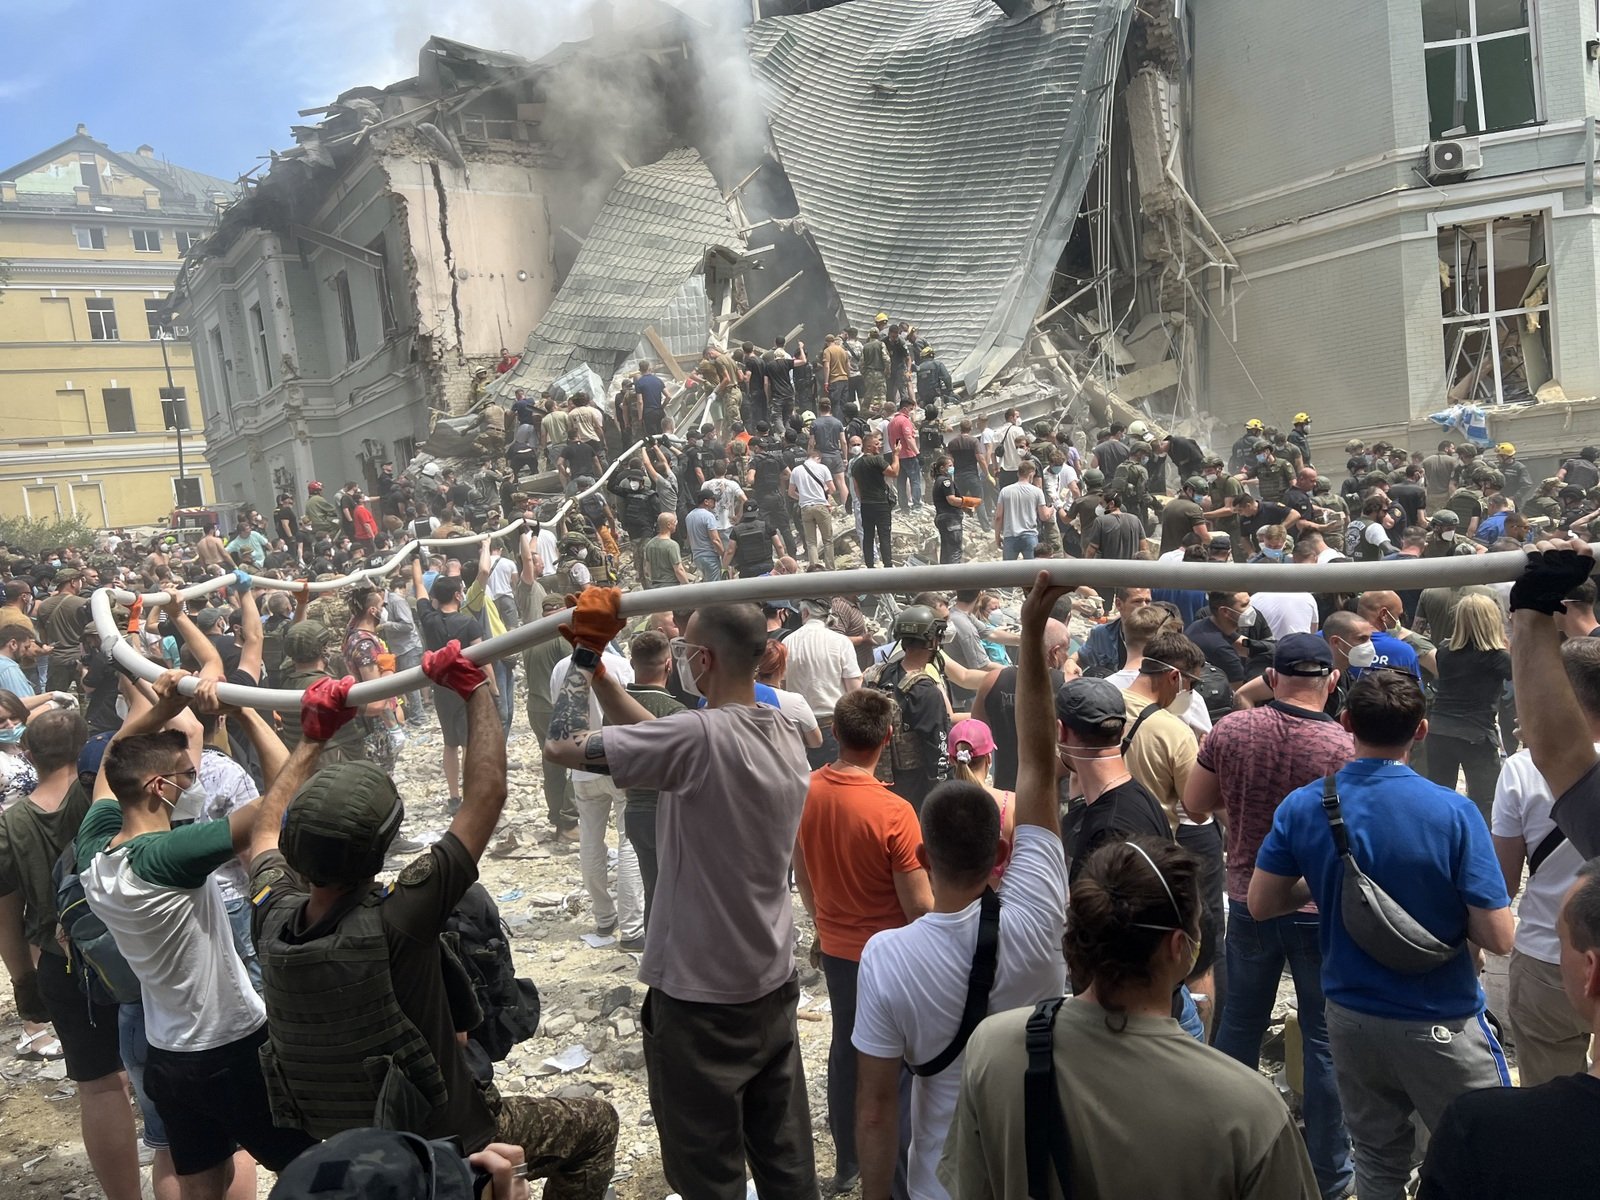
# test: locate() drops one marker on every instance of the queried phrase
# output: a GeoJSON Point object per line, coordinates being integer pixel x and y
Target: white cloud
{"type": "Point", "coordinates": [17, 86]}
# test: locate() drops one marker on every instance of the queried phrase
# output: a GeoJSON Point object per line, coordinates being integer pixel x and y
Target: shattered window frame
{"type": "Point", "coordinates": [261, 346]}
{"type": "Point", "coordinates": [187, 240]}
{"type": "Point", "coordinates": [1495, 308]}
{"type": "Point", "coordinates": [220, 366]}
{"type": "Point", "coordinates": [347, 316]}
{"type": "Point", "coordinates": [102, 313]}
{"type": "Point", "coordinates": [118, 404]}
{"type": "Point", "coordinates": [1469, 52]}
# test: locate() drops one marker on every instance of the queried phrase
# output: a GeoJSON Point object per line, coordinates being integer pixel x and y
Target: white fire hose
{"type": "Point", "coordinates": [1408, 574]}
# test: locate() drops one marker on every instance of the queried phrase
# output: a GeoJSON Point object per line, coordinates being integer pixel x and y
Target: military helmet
{"type": "Point", "coordinates": [1444, 519]}
{"type": "Point", "coordinates": [377, 1164]}
{"type": "Point", "coordinates": [340, 824]}
{"type": "Point", "coordinates": [1094, 478]}
{"type": "Point", "coordinates": [919, 623]}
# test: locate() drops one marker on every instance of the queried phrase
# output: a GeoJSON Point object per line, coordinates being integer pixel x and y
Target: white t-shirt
{"type": "Point", "coordinates": [1020, 504]}
{"type": "Point", "coordinates": [794, 706]}
{"type": "Point", "coordinates": [1328, 553]}
{"type": "Point", "coordinates": [1286, 612]}
{"type": "Point", "coordinates": [227, 786]}
{"type": "Point", "coordinates": [549, 551]}
{"type": "Point", "coordinates": [502, 574]}
{"type": "Point", "coordinates": [729, 496]}
{"type": "Point", "coordinates": [820, 660]}
{"type": "Point", "coordinates": [913, 985]}
{"type": "Point", "coordinates": [618, 668]}
{"type": "Point", "coordinates": [1522, 803]}
{"type": "Point", "coordinates": [810, 480]}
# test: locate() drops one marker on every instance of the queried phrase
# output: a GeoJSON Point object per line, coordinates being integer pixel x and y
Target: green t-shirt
{"type": "Point", "coordinates": [657, 703]}
{"type": "Point", "coordinates": [31, 840]}
{"type": "Point", "coordinates": [661, 555]}
{"type": "Point", "coordinates": [180, 858]}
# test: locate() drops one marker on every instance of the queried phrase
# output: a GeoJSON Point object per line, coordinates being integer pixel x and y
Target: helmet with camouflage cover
{"type": "Point", "coordinates": [918, 624]}
{"type": "Point", "coordinates": [376, 1164]}
{"type": "Point", "coordinates": [1094, 478]}
{"type": "Point", "coordinates": [339, 826]}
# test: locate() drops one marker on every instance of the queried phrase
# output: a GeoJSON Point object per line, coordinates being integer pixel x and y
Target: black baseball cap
{"type": "Point", "coordinates": [1302, 654]}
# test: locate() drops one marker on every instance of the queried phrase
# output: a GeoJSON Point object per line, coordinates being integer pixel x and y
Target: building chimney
{"type": "Point", "coordinates": [8, 191]}
{"type": "Point", "coordinates": [83, 130]}
{"type": "Point", "coordinates": [82, 195]}
{"type": "Point", "coordinates": [146, 152]}
{"type": "Point", "coordinates": [152, 198]}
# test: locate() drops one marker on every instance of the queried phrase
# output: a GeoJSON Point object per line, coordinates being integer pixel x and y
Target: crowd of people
{"type": "Point", "coordinates": [1154, 802]}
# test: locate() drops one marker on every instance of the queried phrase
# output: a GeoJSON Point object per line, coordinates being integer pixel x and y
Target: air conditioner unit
{"type": "Point", "coordinates": [1454, 157]}
{"type": "Point", "coordinates": [181, 331]}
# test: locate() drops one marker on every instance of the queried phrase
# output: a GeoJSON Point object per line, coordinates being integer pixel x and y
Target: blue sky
{"type": "Point", "coordinates": [214, 86]}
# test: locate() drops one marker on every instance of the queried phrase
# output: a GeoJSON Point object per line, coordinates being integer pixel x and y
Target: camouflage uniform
{"type": "Point", "coordinates": [874, 372]}
{"type": "Point", "coordinates": [570, 1144]}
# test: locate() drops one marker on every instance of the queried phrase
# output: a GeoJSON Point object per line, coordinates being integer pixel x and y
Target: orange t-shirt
{"type": "Point", "coordinates": [856, 836]}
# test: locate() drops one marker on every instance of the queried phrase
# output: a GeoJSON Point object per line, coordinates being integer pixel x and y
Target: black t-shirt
{"type": "Point", "coordinates": [1411, 497]}
{"type": "Point", "coordinates": [426, 892]}
{"type": "Point", "coordinates": [768, 468]}
{"type": "Point", "coordinates": [100, 680]}
{"type": "Point", "coordinates": [1267, 514]}
{"type": "Point", "coordinates": [582, 458]}
{"type": "Point", "coordinates": [1186, 456]}
{"type": "Point", "coordinates": [944, 512]}
{"type": "Point", "coordinates": [1218, 648]}
{"type": "Point", "coordinates": [872, 485]}
{"type": "Point", "coordinates": [1508, 1142]}
{"type": "Point", "coordinates": [286, 523]}
{"type": "Point", "coordinates": [963, 450]}
{"type": "Point", "coordinates": [1117, 813]}
{"type": "Point", "coordinates": [1466, 699]}
{"type": "Point", "coordinates": [441, 628]}
{"type": "Point", "coordinates": [1298, 500]}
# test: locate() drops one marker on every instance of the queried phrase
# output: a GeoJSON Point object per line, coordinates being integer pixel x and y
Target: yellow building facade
{"type": "Point", "coordinates": [91, 240]}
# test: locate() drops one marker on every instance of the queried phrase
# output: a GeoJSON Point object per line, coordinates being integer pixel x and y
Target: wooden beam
{"type": "Point", "coordinates": [664, 353]}
{"type": "Point", "coordinates": [764, 301]}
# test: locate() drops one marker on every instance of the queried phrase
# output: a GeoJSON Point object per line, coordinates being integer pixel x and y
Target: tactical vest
{"type": "Point", "coordinates": [753, 550]}
{"type": "Point", "coordinates": [905, 752]}
{"type": "Point", "coordinates": [340, 1054]}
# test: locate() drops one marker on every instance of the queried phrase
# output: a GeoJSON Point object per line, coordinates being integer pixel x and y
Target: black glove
{"type": "Point", "coordinates": [1549, 576]}
{"type": "Point", "coordinates": [30, 1001]}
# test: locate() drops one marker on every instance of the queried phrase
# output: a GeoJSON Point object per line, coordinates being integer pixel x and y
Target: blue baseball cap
{"type": "Point", "coordinates": [1302, 654]}
{"type": "Point", "coordinates": [94, 750]}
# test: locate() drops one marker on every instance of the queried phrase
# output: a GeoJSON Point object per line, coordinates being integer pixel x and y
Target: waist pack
{"type": "Point", "coordinates": [1375, 921]}
{"type": "Point", "coordinates": [103, 974]}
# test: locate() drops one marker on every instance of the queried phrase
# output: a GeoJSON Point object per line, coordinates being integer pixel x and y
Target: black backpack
{"type": "Point", "coordinates": [477, 942]}
{"type": "Point", "coordinates": [103, 974]}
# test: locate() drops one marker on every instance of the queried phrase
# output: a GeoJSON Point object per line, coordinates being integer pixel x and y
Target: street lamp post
{"type": "Point", "coordinates": [171, 393]}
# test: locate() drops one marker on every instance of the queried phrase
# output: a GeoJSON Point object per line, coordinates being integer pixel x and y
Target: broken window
{"type": "Point", "coordinates": [187, 240]}
{"type": "Point", "coordinates": [220, 361]}
{"type": "Point", "coordinates": [1495, 281]}
{"type": "Point", "coordinates": [380, 246]}
{"type": "Point", "coordinates": [1481, 65]}
{"type": "Point", "coordinates": [347, 316]}
{"type": "Point", "coordinates": [102, 320]}
{"type": "Point", "coordinates": [89, 173]}
{"type": "Point", "coordinates": [147, 241]}
{"type": "Point", "coordinates": [154, 311]}
{"type": "Point", "coordinates": [119, 409]}
{"type": "Point", "coordinates": [258, 326]}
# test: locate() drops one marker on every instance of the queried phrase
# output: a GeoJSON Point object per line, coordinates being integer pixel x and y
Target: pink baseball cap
{"type": "Point", "coordinates": [973, 734]}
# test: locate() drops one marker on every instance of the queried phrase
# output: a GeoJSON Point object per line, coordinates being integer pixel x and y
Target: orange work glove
{"type": "Point", "coordinates": [970, 502]}
{"type": "Point", "coordinates": [135, 615]}
{"type": "Point", "coordinates": [595, 621]}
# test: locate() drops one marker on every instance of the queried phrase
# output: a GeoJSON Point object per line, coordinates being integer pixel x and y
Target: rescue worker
{"type": "Point", "coordinates": [579, 563]}
{"type": "Point", "coordinates": [320, 511]}
{"type": "Point", "coordinates": [305, 646]}
{"type": "Point", "coordinates": [875, 367]}
{"type": "Point", "coordinates": [1544, 504]}
{"type": "Point", "coordinates": [1300, 437]}
{"type": "Point", "coordinates": [917, 758]}
{"type": "Point", "coordinates": [1245, 446]}
{"type": "Point", "coordinates": [933, 379]}
{"type": "Point", "coordinates": [1442, 528]}
{"type": "Point", "coordinates": [1517, 476]}
{"type": "Point", "coordinates": [361, 1027]}
{"type": "Point", "coordinates": [1272, 474]}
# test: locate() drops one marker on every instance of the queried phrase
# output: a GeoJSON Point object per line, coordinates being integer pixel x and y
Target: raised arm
{"type": "Point", "coordinates": [1036, 719]}
{"type": "Point", "coordinates": [570, 740]}
{"type": "Point", "coordinates": [196, 642]}
{"type": "Point", "coordinates": [252, 644]}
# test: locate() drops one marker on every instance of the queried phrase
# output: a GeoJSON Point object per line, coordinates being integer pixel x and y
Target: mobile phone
{"type": "Point", "coordinates": [483, 1182]}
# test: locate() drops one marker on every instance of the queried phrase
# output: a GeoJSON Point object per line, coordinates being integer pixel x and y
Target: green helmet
{"type": "Point", "coordinates": [919, 623]}
{"type": "Point", "coordinates": [1094, 478]}
{"type": "Point", "coordinates": [339, 825]}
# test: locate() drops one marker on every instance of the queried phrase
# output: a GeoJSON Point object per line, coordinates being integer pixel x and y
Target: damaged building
{"type": "Point", "coordinates": [1175, 210]}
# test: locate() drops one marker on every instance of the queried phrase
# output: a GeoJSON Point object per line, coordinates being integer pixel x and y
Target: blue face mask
{"type": "Point", "coordinates": [1277, 555]}
{"type": "Point", "coordinates": [10, 737]}
{"type": "Point", "coordinates": [1261, 458]}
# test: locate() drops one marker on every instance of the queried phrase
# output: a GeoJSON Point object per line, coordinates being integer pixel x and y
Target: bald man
{"type": "Point", "coordinates": [996, 702]}
{"type": "Point", "coordinates": [1385, 612]}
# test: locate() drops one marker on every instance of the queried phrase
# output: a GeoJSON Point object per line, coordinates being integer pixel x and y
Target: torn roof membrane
{"type": "Point", "coordinates": [939, 151]}
{"type": "Point", "coordinates": [651, 235]}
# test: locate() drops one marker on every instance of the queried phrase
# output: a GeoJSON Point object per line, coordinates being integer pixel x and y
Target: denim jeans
{"type": "Point", "coordinates": [505, 680]}
{"type": "Point", "coordinates": [710, 567]}
{"type": "Point", "coordinates": [239, 918]}
{"type": "Point", "coordinates": [135, 1052]}
{"type": "Point", "coordinates": [1018, 545]}
{"type": "Point", "coordinates": [1257, 952]}
{"type": "Point", "coordinates": [909, 481]}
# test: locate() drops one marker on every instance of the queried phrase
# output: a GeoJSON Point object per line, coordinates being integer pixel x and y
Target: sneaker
{"type": "Point", "coordinates": [452, 805]}
{"type": "Point", "coordinates": [840, 1184]}
{"type": "Point", "coordinates": [633, 945]}
{"type": "Point", "coordinates": [605, 930]}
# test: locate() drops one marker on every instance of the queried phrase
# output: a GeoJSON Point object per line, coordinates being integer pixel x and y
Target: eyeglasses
{"type": "Point", "coordinates": [178, 778]}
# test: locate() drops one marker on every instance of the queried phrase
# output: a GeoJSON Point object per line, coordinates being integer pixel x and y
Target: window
{"type": "Point", "coordinates": [219, 364]}
{"type": "Point", "coordinates": [1481, 67]}
{"type": "Point", "coordinates": [89, 172]}
{"type": "Point", "coordinates": [41, 501]}
{"type": "Point", "coordinates": [147, 241]}
{"type": "Point", "coordinates": [119, 409]}
{"type": "Point", "coordinates": [380, 247]}
{"type": "Point", "coordinates": [186, 491]}
{"type": "Point", "coordinates": [258, 326]}
{"type": "Point", "coordinates": [405, 449]}
{"type": "Point", "coordinates": [89, 502]}
{"type": "Point", "coordinates": [90, 237]}
{"type": "Point", "coordinates": [154, 310]}
{"type": "Point", "coordinates": [102, 320]}
{"type": "Point", "coordinates": [1495, 277]}
{"type": "Point", "coordinates": [187, 241]}
{"type": "Point", "coordinates": [347, 316]}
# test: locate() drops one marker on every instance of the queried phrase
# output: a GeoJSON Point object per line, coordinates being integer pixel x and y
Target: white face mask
{"type": "Point", "coordinates": [686, 679]}
{"type": "Point", "coordinates": [1181, 702]}
{"type": "Point", "coordinates": [1362, 656]}
{"type": "Point", "coordinates": [1099, 510]}
{"type": "Point", "coordinates": [1247, 615]}
{"type": "Point", "coordinates": [191, 804]}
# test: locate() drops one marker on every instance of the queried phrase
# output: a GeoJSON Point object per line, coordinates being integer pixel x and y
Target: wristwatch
{"type": "Point", "coordinates": [586, 657]}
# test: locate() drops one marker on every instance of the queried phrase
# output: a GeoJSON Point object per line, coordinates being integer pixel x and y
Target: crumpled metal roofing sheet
{"type": "Point", "coordinates": [939, 151]}
{"type": "Point", "coordinates": [650, 236]}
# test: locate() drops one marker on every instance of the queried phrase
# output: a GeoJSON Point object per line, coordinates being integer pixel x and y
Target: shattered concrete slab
{"type": "Point", "coordinates": [939, 151]}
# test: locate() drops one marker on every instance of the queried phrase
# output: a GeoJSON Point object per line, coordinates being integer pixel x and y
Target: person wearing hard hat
{"type": "Point", "coordinates": [1519, 480]}
{"type": "Point", "coordinates": [1300, 436]}
{"type": "Point", "coordinates": [1245, 446]}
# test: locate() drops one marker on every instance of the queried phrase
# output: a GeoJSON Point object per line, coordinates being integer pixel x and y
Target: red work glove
{"type": "Point", "coordinates": [595, 622]}
{"type": "Point", "coordinates": [323, 711]}
{"type": "Point", "coordinates": [449, 668]}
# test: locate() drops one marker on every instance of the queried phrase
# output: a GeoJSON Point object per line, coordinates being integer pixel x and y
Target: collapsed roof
{"type": "Point", "coordinates": [649, 240]}
{"type": "Point", "coordinates": [939, 151]}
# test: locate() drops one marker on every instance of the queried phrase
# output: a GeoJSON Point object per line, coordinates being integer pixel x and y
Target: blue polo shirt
{"type": "Point", "coordinates": [1427, 847]}
{"type": "Point", "coordinates": [1392, 652]}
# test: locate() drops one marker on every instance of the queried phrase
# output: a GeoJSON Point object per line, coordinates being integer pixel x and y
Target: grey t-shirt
{"type": "Point", "coordinates": [732, 782]}
{"type": "Point", "coordinates": [1020, 503]}
{"type": "Point", "coordinates": [827, 430]}
{"type": "Point", "coordinates": [1117, 535]}
{"type": "Point", "coordinates": [699, 523]}
{"type": "Point", "coordinates": [965, 646]}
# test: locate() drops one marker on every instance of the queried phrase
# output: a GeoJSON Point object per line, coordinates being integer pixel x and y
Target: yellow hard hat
{"type": "Point", "coordinates": [1505, 448]}
{"type": "Point", "coordinates": [1254, 424]}
{"type": "Point", "coordinates": [880, 317]}
{"type": "Point", "coordinates": [1302, 418]}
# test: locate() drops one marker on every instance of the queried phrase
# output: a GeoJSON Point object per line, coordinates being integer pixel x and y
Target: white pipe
{"type": "Point", "coordinates": [1397, 575]}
